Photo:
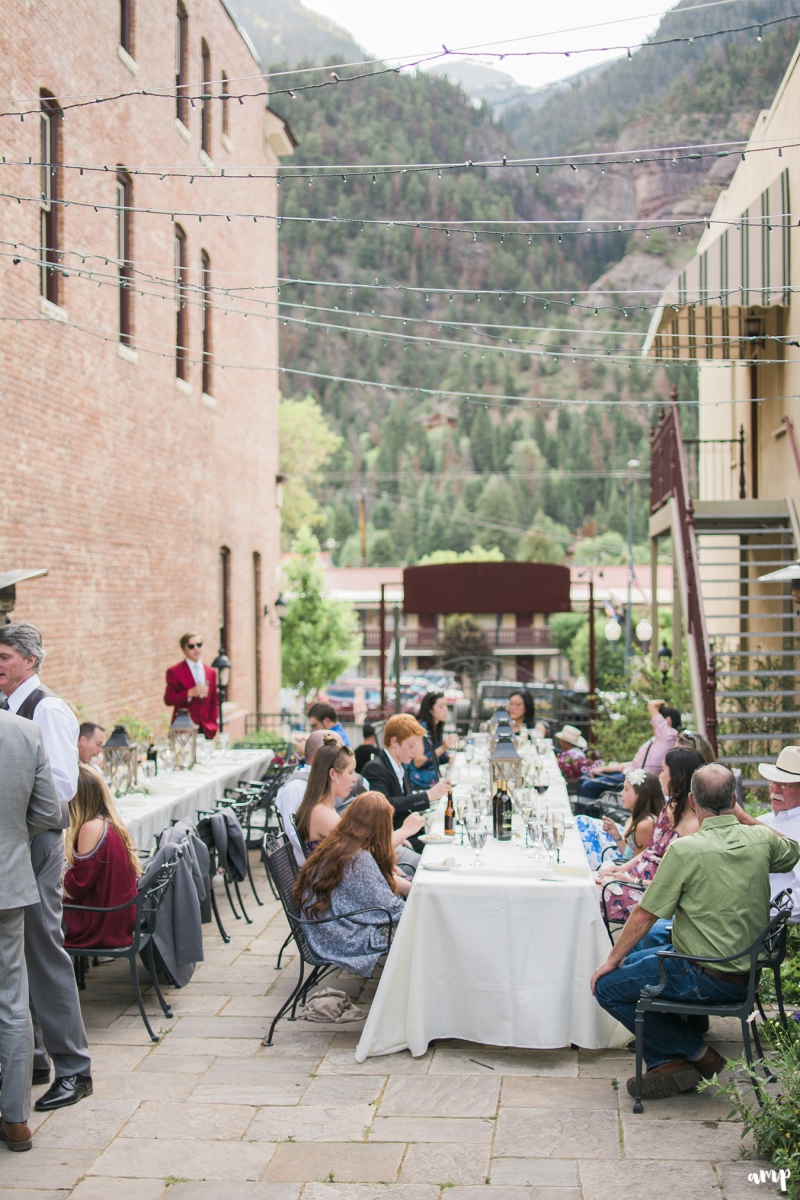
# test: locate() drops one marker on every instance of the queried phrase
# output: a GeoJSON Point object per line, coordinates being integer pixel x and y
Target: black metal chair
{"type": "Point", "coordinates": [147, 904]}
{"type": "Point", "coordinates": [614, 921]}
{"type": "Point", "coordinates": [227, 878]}
{"type": "Point", "coordinates": [765, 951]}
{"type": "Point", "coordinates": [281, 863]}
{"type": "Point", "coordinates": [244, 808]}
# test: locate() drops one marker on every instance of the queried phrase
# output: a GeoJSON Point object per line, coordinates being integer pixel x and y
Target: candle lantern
{"type": "Point", "coordinates": [183, 740]}
{"type": "Point", "coordinates": [120, 761]}
{"type": "Point", "coordinates": [505, 762]}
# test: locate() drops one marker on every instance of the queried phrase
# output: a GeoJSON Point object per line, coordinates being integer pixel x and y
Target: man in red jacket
{"type": "Point", "coordinates": [192, 685]}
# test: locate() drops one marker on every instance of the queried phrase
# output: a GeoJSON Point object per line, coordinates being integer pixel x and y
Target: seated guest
{"type": "Point", "coordinates": [402, 742]}
{"type": "Point", "coordinates": [569, 740]}
{"type": "Point", "coordinates": [102, 868]}
{"type": "Point", "coordinates": [330, 781]}
{"type": "Point", "coordinates": [288, 799]}
{"type": "Point", "coordinates": [353, 868]}
{"type": "Point", "coordinates": [607, 777]}
{"type": "Point", "coordinates": [716, 888]}
{"type": "Point", "coordinates": [643, 798]}
{"type": "Point", "coordinates": [324, 716]}
{"type": "Point", "coordinates": [368, 748]}
{"type": "Point", "coordinates": [677, 819]}
{"type": "Point", "coordinates": [784, 795]}
{"type": "Point", "coordinates": [521, 710]}
{"type": "Point", "coordinates": [91, 738]}
{"type": "Point", "coordinates": [423, 770]}
{"type": "Point", "coordinates": [695, 741]}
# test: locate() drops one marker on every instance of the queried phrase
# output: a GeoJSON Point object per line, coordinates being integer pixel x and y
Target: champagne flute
{"type": "Point", "coordinates": [548, 840]}
{"type": "Point", "coordinates": [477, 834]}
{"type": "Point", "coordinates": [559, 828]}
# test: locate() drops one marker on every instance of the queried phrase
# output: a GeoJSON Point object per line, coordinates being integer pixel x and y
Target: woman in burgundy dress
{"type": "Point", "coordinates": [103, 868]}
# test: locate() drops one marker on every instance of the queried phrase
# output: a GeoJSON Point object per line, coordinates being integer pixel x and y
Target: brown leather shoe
{"type": "Point", "coordinates": [710, 1064]}
{"type": "Point", "coordinates": [668, 1079]}
{"type": "Point", "coordinates": [16, 1134]}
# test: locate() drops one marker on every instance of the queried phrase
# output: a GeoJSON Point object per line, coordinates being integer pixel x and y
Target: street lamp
{"type": "Point", "coordinates": [613, 630]}
{"type": "Point", "coordinates": [664, 661]}
{"type": "Point", "coordinates": [644, 631]}
{"type": "Point", "coordinates": [222, 665]}
{"type": "Point", "coordinates": [633, 464]}
{"type": "Point", "coordinates": [279, 609]}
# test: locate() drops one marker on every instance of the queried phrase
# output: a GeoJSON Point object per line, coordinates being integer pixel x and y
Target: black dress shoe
{"type": "Point", "coordinates": [69, 1089]}
{"type": "Point", "coordinates": [40, 1075]}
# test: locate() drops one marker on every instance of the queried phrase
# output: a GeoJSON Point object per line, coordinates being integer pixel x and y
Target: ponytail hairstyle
{"type": "Point", "coordinates": [332, 755]}
{"type": "Point", "coordinates": [649, 796]}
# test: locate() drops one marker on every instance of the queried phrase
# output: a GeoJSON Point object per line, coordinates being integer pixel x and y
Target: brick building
{"type": "Point", "coordinates": [138, 393]}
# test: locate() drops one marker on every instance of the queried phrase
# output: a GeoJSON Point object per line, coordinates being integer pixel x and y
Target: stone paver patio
{"type": "Point", "coordinates": [209, 1114]}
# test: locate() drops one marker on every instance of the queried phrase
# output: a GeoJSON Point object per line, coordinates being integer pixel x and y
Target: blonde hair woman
{"type": "Point", "coordinates": [102, 868]}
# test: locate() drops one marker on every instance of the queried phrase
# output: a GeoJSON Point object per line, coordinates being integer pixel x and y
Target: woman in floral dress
{"type": "Point", "coordinates": [677, 820]}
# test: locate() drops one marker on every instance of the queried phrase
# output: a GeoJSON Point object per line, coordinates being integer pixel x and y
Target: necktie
{"type": "Point", "coordinates": [4, 704]}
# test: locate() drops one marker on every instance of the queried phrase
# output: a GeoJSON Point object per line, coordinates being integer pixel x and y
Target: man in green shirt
{"type": "Point", "coordinates": [715, 886]}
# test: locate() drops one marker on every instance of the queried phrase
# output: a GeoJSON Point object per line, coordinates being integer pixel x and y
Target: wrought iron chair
{"type": "Point", "coordinates": [281, 863]}
{"type": "Point", "coordinates": [147, 904]}
{"type": "Point", "coordinates": [764, 951]}
{"type": "Point", "coordinates": [614, 921]}
{"type": "Point", "coordinates": [227, 878]}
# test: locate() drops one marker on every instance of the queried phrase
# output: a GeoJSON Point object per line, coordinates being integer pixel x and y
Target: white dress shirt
{"type": "Point", "coordinates": [399, 771]}
{"type": "Point", "coordinates": [787, 823]}
{"type": "Point", "coordinates": [60, 731]}
{"type": "Point", "coordinates": [198, 671]}
{"type": "Point", "coordinates": [287, 803]}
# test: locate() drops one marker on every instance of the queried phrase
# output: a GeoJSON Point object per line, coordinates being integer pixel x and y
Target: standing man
{"type": "Point", "coordinates": [58, 1024]}
{"type": "Point", "coordinates": [192, 685]}
{"type": "Point", "coordinates": [28, 802]}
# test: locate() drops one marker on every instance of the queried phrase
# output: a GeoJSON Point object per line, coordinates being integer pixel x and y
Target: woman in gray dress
{"type": "Point", "coordinates": [354, 867]}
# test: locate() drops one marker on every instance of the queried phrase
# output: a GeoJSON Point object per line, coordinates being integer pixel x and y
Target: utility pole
{"type": "Point", "coordinates": [382, 652]}
{"type": "Point", "coordinates": [633, 463]}
{"type": "Point", "coordinates": [397, 658]}
{"type": "Point", "coordinates": [362, 529]}
{"type": "Point", "coordinates": [592, 659]}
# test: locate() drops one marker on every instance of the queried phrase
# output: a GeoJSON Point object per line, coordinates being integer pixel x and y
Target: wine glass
{"type": "Point", "coordinates": [525, 804]}
{"type": "Point", "coordinates": [536, 835]}
{"type": "Point", "coordinates": [166, 757]}
{"type": "Point", "coordinates": [477, 834]}
{"type": "Point", "coordinates": [548, 839]}
{"type": "Point", "coordinates": [559, 829]}
{"type": "Point", "coordinates": [223, 744]}
{"type": "Point", "coordinates": [541, 782]}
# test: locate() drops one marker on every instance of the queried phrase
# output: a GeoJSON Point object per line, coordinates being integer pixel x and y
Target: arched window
{"type": "Point", "coordinates": [225, 101]}
{"type": "Point", "coordinates": [182, 64]}
{"type": "Point", "coordinates": [181, 308]}
{"type": "Point", "coordinates": [205, 98]}
{"type": "Point", "coordinates": [49, 209]}
{"type": "Point", "coordinates": [125, 255]}
{"type": "Point", "coordinates": [205, 276]}
{"type": "Point", "coordinates": [225, 599]}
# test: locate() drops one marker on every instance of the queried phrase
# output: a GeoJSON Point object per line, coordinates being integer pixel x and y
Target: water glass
{"type": "Point", "coordinates": [536, 838]}
{"type": "Point", "coordinates": [223, 744]}
{"type": "Point", "coordinates": [477, 834]}
{"type": "Point", "coordinates": [166, 760]}
{"type": "Point", "coordinates": [469, 750]}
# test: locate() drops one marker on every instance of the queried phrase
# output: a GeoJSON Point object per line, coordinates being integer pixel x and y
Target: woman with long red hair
{"type": "Point", "coordinates": [353, 867]}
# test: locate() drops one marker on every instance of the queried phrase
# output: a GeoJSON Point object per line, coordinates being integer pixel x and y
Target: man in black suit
{"type": "Point", "coordinates": [402, 741]}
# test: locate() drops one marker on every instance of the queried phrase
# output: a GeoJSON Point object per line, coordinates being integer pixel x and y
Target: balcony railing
{"type": "Point", "coordinates": [536, 637]}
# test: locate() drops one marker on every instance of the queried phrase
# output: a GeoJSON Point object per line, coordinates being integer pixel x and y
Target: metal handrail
{"type": "Point", "coordinates": [668, 480]}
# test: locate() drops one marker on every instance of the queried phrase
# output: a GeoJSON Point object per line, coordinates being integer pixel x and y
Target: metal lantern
{"type": "Point", "coordinates": [499, 717]}
{"type": "Point", "coordinates": [120, 761]}
{"type": "Point", "coordinates": [183, 740]}
{"type": "Point", "coordinates": [505, 763]}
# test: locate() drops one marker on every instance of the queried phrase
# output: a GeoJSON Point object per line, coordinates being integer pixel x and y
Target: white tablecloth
{"type": "Point", "coordinates": [178, 796]}
{"type": "Point", "coordinates": [495, 956]}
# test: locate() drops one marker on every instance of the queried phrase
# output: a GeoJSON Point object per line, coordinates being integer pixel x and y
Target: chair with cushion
{"type": "Point", "coordinates": [766, 951]}
{"type": "Point", "coordinates": [147, 904]}
{"type": "Point", "coordinates": [280, 860]}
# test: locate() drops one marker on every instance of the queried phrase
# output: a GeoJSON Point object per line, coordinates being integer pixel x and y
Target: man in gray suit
{"type": "Point", "coordinates": [28, 805]}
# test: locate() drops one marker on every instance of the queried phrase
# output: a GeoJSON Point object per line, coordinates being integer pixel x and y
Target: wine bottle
{"type": "Point", "coordinates": [450, 815]}
{"type": "Point", "coordinates": [152, 756]}
{"type": "Point", "coordinates": [500, 802]}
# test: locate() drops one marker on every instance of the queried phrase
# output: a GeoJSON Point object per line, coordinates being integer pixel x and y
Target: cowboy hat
{"type": "Point", "coordinates": [786, 769]}
{"type": "Point", "coordinates": [572, 735]}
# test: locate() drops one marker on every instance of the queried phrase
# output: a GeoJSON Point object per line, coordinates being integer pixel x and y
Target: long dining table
{"type": "Point", "coordinates": [180, 795]}
{"type": "Point", "coordinates": [500, 954]}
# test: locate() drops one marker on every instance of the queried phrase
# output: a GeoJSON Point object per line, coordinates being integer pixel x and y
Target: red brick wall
{"type": "Point", "coordinates": [119, 483]}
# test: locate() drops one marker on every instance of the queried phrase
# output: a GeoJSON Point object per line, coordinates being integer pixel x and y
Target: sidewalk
{"type": "Point", "coordinates": [209, 1114]}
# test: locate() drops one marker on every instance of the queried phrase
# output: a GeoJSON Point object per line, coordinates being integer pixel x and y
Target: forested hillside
{"type": "Point", "coordinates": [502, 463]}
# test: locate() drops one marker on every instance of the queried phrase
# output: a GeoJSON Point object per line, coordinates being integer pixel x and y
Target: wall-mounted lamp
{"type": "Point", "coordinates": [279, 610]}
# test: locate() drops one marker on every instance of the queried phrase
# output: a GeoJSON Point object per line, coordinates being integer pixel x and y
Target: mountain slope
{"type": "Point", "coordinates": [285, 31]}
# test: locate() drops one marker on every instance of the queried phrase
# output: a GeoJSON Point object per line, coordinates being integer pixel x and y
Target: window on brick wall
{"type": "Point", "coordinates": [125, 256]}
{"type": "Point", "coordinates": [205, 98]}
{"type": "Point", "coordinates": [225, 101]}
{"type": "Point", "coordinates": [225, 599]}
{"type": "Point", "coordinates": [258, 611]}
{"type": "Point", "coordinates": [126, 25]}
{"type": "Point", "coordinates": [205, 277]}
{"type": "Point", "coordinates": [181, 305]}
{"type": "Point", "coordinates": [50, 194]}
{"type": "Point", "coordinates": [182, 64]}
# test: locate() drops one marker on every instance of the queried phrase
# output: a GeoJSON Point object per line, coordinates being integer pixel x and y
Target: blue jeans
{"type": "Point", "coordinates": [666, 1035]}
{"type": "Point", "coordinates": [591, 787]}
{"type": "Point", "coordinates": [659, 938]}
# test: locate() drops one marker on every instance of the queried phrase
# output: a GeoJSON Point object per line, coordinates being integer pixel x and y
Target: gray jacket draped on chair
{"type": "Point", "coordinates": [179, 937]}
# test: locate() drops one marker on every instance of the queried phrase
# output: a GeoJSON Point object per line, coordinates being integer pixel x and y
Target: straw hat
{"type": "Point", "coordinates": [572, 735]}
{"type": "Point", "coordinates": [786, 769]}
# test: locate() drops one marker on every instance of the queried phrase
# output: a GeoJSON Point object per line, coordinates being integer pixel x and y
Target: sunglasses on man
{"type": "Point", "coordinates": [194, 645]}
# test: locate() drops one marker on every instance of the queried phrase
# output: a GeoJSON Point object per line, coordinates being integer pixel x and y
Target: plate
{"type": "Point", "coordinates": [436, 839]}
{"type": "Point", "coordinates": [445, 864]}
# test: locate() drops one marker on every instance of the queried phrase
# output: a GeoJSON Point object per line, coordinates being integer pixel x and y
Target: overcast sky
{"type": "Point", "coordinates": [415, 27]}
